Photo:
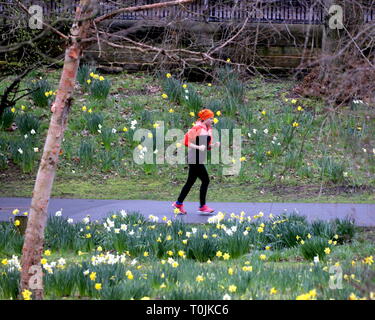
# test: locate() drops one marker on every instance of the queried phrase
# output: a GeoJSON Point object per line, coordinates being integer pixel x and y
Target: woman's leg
{"type": "Point", "coordinates": [203, 176]}
{"type": "Point", "coordinates": [192, 177]}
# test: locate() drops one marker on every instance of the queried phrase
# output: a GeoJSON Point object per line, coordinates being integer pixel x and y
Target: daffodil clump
{"type": "Point", "coordinates": [234, 256]}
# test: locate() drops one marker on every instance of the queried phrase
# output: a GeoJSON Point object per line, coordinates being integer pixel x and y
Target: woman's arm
{"type": "Point", "coordinates": [194, 146]}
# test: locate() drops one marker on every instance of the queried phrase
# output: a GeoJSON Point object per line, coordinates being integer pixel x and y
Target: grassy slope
{"type": "Point", "coordinates": [131, 94]}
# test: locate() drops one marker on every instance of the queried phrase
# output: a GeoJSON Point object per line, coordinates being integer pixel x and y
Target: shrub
{"type": "Point", "coordinates": [11, 241]}
{"type": "Point", "coordinates": [100, 89]}
{"type": "Point", "coordinates": [23, 154]}
{"type": "Point", "coordinates": [201, 249]}
{"type": "Point", "coordinates": [86, 152]}
{"type": "Point", "coordinates": [192, 100]}
{"type": "Point", "coordinates": [9, 284]}
{"type": "Point", "coordinates": [38, 90]}
{"type": "Point", "coordinates": [6, 119]}
{"type": "Point", "coordinates": [173, 88]}
{"type": "Point", "coordinates": [26, 122]}
{"type": "Point", "coordinates": [331, 169]}
{"type": "Point", "coordinates": [107, 136]}
{"type": "Point", "coordinates": [84, 74]}
{"type": "Point", "coordinates": [93, 120]}
{"type": "Point", "coordinates": [345, 228]}
{"type": "Point", "coordinates": [61, 283]}
{"type": "Point", "coordinates": [323, 229]}
{"type": "Point", "coordinates": [314, 247]}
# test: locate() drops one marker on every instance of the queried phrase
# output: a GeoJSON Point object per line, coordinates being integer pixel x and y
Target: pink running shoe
{"type": "Point", "coordinates": [205, 210]}
{"type": "Point", "coordinates": [179, 207]}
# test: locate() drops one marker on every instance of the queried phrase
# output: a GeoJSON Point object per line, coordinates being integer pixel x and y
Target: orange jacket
{"type": "Point", "coordinates": [191, 135]}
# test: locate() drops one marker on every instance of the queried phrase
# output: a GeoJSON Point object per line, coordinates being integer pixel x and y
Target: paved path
{"type": "Point", "coordinates": [364, 214]}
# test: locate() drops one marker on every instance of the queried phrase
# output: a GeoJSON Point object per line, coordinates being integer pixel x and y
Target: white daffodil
{"type": "Point", "coordinates": [123, 213]}
{"type": "Point", "coordinates": [20, 150]}
{"type": "Point", "coordinates": [86, 220]}
{"type": "Point", "coordinates": [32, 131]}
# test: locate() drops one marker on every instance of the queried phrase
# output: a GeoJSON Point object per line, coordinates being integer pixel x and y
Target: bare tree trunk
{"type": "Point", "coordinates": [34, 237]}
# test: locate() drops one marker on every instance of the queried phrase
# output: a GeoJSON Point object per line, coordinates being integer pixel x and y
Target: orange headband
{"type": "Point", "coordinates": [205, 114]}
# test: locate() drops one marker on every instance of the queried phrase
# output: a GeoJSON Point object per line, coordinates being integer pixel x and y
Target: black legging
{"type": "Point", "coordinates": [196, 171]}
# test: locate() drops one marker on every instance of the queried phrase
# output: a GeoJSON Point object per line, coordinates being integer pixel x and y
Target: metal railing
{"type": "Point", "coordinates": [267, 11]}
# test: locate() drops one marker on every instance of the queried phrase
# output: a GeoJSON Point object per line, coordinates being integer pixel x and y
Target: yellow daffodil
{"type": "Point", "coordinates": [170, 110]}
{"type": "Point", "coordinates": [92, 276]}
{"type": "Point", "coordinates": [199, 278]}
{"type": "Point", "coordinates": [15, 211]}
{"type": "Point", "coordinates": [125, 129]}
{"type": "Point", "coordinates": [47, 253]}
{"type": "Point", "coordinates": [295, 124]}
{"type": "Point", "coordinates": [164, 96]}
{"type": "Point", "coordinates": [88, 81]}
{"type": "Point", "coordinates": [262, 257]}
{"type": "Point", "coordinates": [216, 120]}
{"type": "Point", "coordinates": [327, 250]}
{"type": "Point", "coordinates": [228, 60]}
{"type": "Point", "coordinates": [168, 75]}
{"type": "Point", "coordinates": [232, 288]}
{"type": "Point", "coordinates": [192, 114]}
{"type": "Point", "coordinates": [264, 112]}
{"type": "Point", "coordinates": [226, 256]}
{"type": "Point", "coordinates": [17, 223]}
{"type": "Point", "coordinates": [273, 291]}
{"type": "Point", "coordinates": [26, 294]}
{"type": "Point", "coordinates": [84, 108]}
{"type": "Point", "coordinates": [43, 261]}
{"type": "Point", "coordinates": [299, 108]}
{"type": "Point", "coordinates": [369, 260]}
{"type": "Point", "coordinates": [98, 286]}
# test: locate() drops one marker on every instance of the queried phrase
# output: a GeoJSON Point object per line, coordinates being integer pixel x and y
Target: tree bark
{"type": "Point", "coordinates": [34, 237]}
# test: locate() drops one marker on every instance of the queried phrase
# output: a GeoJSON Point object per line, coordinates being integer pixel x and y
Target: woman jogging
{"type": "Point", "coordinates": [198, 139]}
